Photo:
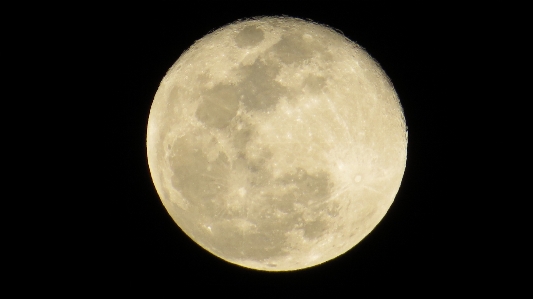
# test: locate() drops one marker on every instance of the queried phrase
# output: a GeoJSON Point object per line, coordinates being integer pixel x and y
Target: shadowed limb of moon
{"type": "Point", "coordinates": [276, 143]}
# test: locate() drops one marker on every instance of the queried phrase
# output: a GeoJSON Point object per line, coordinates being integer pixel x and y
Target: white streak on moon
{"type": "Point", "coordinates": [276, 143]}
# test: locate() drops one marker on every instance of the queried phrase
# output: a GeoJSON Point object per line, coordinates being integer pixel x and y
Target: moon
{"type": "Point", "coordinates": [276, 143]}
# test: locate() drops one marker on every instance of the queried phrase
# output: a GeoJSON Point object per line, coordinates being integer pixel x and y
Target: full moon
{"type": "Point", "coordinates": [276, 143]}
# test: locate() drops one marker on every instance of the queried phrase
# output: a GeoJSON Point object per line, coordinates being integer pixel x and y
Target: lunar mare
{"type": "Point", "coordinates": [276, 143]}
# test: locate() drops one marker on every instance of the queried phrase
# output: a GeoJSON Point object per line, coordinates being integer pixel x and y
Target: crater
{"type": "Point", "coordinates": [249, 36]}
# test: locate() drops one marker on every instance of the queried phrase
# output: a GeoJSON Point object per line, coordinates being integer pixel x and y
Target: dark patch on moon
{"type": "Point", "coordinates": [315, 229]}
{"type": "Point", "coordinates": [219, 106]}
{"type": "Point", "coordinates": [249, 36]}
{"type": "Point", "coordinates": [242, 136]}
{"type": "Point", "coordinates": [292, 48]}
{"type": "Point", "coordinates": [256, 164]}
{"type": "Point", "coordinates": [198, 179]}
{"type": "Point", "coordinates": [174, 94]}
{"type": "Point", "coordinates": [204, 185]}
{"type": "Point", "coordinates": [258, 89]}
{"type": "Point", "coordinates": [314, 83]}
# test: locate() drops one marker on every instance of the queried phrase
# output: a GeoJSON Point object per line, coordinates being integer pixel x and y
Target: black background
{"type": "Point", "coordinates": [126, 51]}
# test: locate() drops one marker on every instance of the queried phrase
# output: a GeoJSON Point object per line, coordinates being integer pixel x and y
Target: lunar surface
{"type": "Point", "coordinates": [276, 143]}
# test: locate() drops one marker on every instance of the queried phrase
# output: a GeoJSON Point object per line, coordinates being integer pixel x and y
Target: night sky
{"type": "Point", "coordinates": [127, 51]}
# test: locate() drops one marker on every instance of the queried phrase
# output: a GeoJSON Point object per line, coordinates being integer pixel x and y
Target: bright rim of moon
{"type": "Point", "coordinates": [276, 144]}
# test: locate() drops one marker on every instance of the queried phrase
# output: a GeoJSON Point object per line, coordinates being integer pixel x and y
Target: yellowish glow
{"type": "Point", "coordinates": [276, 143]}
